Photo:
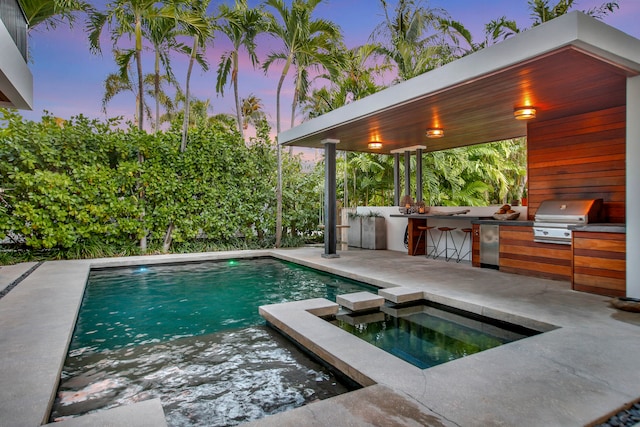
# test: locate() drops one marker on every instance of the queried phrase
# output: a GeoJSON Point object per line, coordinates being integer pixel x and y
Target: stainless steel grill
{"type": "Point", "coordinates": [554, 217]}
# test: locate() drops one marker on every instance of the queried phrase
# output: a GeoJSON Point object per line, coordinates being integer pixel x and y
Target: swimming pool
{"type": "Point", "coordinates": [429, 334]}
{"type": "Point", "coordinates": [191, 335]}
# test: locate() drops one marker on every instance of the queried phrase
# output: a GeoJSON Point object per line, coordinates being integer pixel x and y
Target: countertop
{"type": "Point", "coordinates": [472, 219]}
{"type": "Point", "coordinates": [427, 216]}
{"type": "Point", "coordinates": [601, 228]}
{"type": "Point", "coordinates": [490, 220]}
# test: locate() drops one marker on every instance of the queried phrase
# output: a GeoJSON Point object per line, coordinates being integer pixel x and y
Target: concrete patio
{"type": "Point", "coordinates": [573, 375]}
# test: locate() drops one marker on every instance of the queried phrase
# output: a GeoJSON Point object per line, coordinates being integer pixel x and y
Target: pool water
{"type": "Point", "coordinates": [427, 336]}
{"type": "Point", "coordinates": [191, 335]}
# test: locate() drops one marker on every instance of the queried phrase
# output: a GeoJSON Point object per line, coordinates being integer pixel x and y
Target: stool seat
{"type": "Point", "coordinates": [427, 229]}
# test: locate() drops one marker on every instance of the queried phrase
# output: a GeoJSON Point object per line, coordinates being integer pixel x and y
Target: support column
{"type": "Point", "coordinates": [407, 172]}
{"type": "Point", "coordinates": [633, 183]}
{"type": "Point", "coordinates": [396, 179]}
{"type": "Point", "coordinates": [418, 175]}
{"type": "Point", "coordinates": [330, 213]}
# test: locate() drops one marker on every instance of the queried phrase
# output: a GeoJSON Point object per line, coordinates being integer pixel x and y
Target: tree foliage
{"type": "Point", "coordinates": [70, 183]}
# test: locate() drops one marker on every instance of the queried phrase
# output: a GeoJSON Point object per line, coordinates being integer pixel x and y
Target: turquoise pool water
{"type": "Point", "coordinates": [133, 306]}
{"type": "Point", "coordinates": [191, 335]}
{"type": "Point", "coordinates": [427, 336]}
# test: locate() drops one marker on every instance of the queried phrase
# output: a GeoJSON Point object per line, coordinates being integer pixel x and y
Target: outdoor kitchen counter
{"type": "Point", "coordinates": [601, 228]}
{"type": "Point", "coordinates": [502, 222]}
{"type": "Point", "coordinates": [427, 216]}
{"type": "Point", "coordinates": [599, 259]}
{"type": "Point", "coordinates": [415, 220]}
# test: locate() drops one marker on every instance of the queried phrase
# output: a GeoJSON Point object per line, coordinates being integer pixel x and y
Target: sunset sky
{"type": "Point", "coordinates": [68, 79]}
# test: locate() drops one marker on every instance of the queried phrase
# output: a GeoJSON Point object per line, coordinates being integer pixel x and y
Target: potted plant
{"type": "Point", "coordinates": [374, 231]}
{"type": "Point", "coordinates": [355, 230]}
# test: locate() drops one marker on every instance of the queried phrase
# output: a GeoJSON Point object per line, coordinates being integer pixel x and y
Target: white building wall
{"type": "Point", "coordinates": [633, 187]}
{"type": "Point", "coordinates": [16, 80]}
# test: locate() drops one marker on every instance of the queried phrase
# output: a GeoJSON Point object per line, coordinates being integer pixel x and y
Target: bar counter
{"type": "Point", "coordinates": [415, 220]}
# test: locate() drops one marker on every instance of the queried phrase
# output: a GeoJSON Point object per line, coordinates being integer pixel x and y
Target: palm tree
{"type": "Point", "coordinates": [306, 41]}
{"type": "Point", "coordinates": [252, 111]}
{"type": "Point", "coordinates": [124, 17]}
{"type": "Point", "coordinates": [119, 82]}
{"type": "Point", "coordinates": [128, 18]}
{"type": "Point", "coordinates": [542, 12]}
{"type": "Point", "coordinates": [196, 25]}
{"type": "Point", "coordinates": [411, 36]}
{"type": "Point", "coordinates": [52, 12]}
{"type": "Point", "coordinates": [162, 33]}
{"type": "Point", "coordinates": [355, 80]}
{"type": "Point", "coordinates": [241, 25]}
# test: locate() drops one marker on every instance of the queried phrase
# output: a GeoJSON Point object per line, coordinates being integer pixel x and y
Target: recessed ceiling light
{"type": "Point", "coordinates": [524, 113]}
{"type": "Point", "coordinates": [435, 133]}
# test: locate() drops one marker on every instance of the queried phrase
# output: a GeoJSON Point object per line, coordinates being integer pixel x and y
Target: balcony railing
{"type": "Point", "coordinates": [13, 18]}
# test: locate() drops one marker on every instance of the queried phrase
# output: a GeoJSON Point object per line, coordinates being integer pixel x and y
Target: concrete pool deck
{"type": "Point", "coordinates": [576, 374]}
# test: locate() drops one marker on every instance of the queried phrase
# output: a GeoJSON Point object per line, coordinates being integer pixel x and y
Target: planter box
{"type": "Point", "coordinates": [374, 233]}
{"type": "Point", "coordinates": [355, 232]}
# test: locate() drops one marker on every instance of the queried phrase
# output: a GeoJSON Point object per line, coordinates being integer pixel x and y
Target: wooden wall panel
{"type": "Point", "coordinates": [579, 157]}
{"type": "Point", "coordinates": [599, 263]}
{"type": "Point", "coordinates": [475, 247]}
{"type": "Point", "coordinates": [519, 254]}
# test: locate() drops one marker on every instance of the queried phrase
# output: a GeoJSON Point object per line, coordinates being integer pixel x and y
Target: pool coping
{"type": "Point", "coordinates": [568, 376]}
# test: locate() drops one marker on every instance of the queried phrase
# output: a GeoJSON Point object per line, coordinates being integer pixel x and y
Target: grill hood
{"type": "Point", "coordinates": [570, 212]}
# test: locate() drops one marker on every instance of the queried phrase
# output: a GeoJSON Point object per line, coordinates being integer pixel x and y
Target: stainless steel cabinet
{"type": "Point", "coordinates": [489, 245]}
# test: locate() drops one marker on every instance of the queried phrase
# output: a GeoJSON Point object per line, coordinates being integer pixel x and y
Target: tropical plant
{"type": "Point", "coordinates": [196, 25]}
{"type": "Point", "coordinates": [541, 12]}
{"type": "Point", "coordinates": [71, 181]}
{"type": "Point", "coordinates": [120, 82]}
{"type": "Point", "coordinates": [51, 13]}
{"type": "Point", "coordinates": [241, 24]}
{"type": "Point", "coordinates": [411, 37]}
{"type": "Point", "coordinates": [252, 111]}
{"type": "Point", "coordinates": [162, 33]}
{"type": "Point", "coordinates": [305, 41]}
{"type": "Point", "coordinates": [355, 79]}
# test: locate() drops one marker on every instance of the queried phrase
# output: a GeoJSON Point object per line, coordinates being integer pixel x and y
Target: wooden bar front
{"type": "Point", "coordinates": [414, 234]}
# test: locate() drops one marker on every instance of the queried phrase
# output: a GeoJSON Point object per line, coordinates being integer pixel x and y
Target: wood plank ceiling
{"type": "Point", "coordinates": [561, 83]}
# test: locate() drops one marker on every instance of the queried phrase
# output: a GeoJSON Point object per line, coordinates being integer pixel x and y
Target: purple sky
{"type": "Point", "coordinates": [68, 79]}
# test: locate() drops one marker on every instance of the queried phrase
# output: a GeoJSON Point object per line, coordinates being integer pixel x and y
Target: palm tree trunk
{"type": "Point", "coordinates": [234, 78]}
{"type": "Point", "coordinates": [143, 239]}
{"type": "Point", "coordinates": [156, 89]}
{"type": "Point", "coordinates": [187, 103]}
{"type": "Point", "coordinates": [168, 236]}
{"type": "Point", "coordinates": [279, 157]}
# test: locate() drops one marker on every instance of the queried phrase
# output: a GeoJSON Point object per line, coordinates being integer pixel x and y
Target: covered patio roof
{"type": "Point", "coordinates": [560, 67]}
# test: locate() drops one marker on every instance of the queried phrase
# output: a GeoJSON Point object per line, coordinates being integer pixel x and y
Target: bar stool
{"type": "Point", "coordinates": [446, 232]}
{"type": "Point", "coordinates": [343, 243]}
{"type": "Point", "coordinates": [425, 230]}
{"type": "Point", "coordinates": [467, 236]}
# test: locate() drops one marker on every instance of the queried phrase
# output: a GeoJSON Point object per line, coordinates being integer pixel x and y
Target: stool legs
{"type": "Point", "coordinates": [434, 248]}
{"type": "Point", "coordinates": [426, 232]}
{"type": "Point", "coordinates": [417, 245]}
{"type": "Point", "coordinates": [467, 232]}
{"type": "Point", "coordinates": [446, 232]}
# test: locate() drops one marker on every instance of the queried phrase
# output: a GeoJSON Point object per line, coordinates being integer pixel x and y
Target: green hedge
{"type": "Point", "coordinates": [75, 184]}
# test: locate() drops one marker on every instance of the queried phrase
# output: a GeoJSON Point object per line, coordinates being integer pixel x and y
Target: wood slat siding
{"type": "Point", "coordinates": [599, 263]}
{"type": "Point", "coordinates": [519, 254]}
{"type": "Point", "coordinates": [579, 157]}
{"type": "Point", "coordinates": [475, 248]}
